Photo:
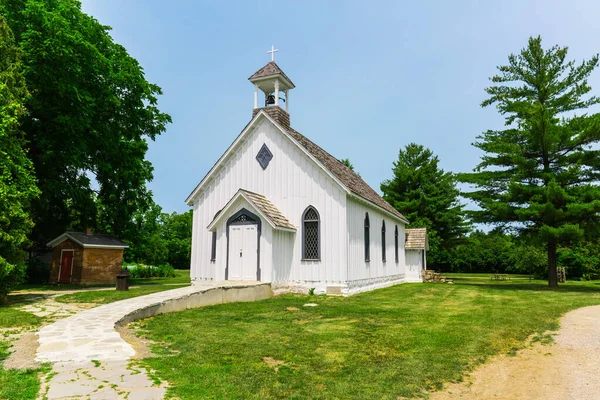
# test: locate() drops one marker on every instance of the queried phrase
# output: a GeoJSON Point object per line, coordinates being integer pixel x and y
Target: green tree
{"type": "Point", "coordinates": [89, 116]}
{"type": "Point", "coordinates": [17, 182]}
{"type": "Point", "coordinates": [145, 237]}
{"type": "Point", "coordinates": [177, 233]}
{"type": "Point", "coordinates": [347, 163]}
{"type": "Point", "coordinates": [539, 175]}
{"type": "Point", "coordinates": [428, 197]}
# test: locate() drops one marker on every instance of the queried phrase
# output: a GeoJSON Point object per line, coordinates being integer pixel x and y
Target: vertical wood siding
{"type": "Point", "coordinates": [292, 182]}
{"type": "Point", "coordinates": [414, 265]}
{"type": "Point", "coordinates": [376, 272]}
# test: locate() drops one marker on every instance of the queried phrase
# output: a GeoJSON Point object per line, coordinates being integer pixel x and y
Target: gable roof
{"type": "Point", "coordinates": [90, 240]}
{"type": "Point", "coordinates": [269, 70]}
{"type": "Point", "coordinates": [416, 238]}
{"type": "Point", "coordinates": [265, 208]}
{"type": "Point", "coordinates": [346, 177]}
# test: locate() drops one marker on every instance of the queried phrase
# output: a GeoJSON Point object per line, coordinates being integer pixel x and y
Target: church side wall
{"type": "Point", "coordinates": [363, 275]}
{"type": "Point", "coordinates": [291, 182]}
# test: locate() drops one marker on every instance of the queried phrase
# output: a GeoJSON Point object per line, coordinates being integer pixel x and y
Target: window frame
{"type": "Point", "coordinates": [304, 221]}
{"type": "Point", "coordinates": [383, 245]}
{"type": "Point", "coordinates": [213, 247]}
{"type": "Point", "coordinates": [396, 244]}
{"type": "Point", "coordinates": [367, 237]}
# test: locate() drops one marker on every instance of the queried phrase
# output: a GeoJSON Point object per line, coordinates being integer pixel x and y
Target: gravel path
{"type": "Point", "coordinates": [567, 369]}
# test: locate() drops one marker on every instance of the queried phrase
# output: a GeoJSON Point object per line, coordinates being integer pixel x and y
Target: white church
{"type": "Point", "coordinates": [277, 208]}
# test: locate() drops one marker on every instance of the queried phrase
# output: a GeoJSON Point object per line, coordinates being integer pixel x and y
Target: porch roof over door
{"type": "Point", "coordinates": [264, 207]}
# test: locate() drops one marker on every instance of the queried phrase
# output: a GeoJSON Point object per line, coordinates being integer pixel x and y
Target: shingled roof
{"type": "Point", "coordinates": [268, 209]}
{"type": "Point", "coordinates": [416, 238]}
{"type": "Point", "coordinates": [346, 175]}
{"type": "Point", "coordinates": [262, 204]}
{"type": "Point", "coordinates": [269, 70]}
{"type": "Point", "coordinates": [90, 240]}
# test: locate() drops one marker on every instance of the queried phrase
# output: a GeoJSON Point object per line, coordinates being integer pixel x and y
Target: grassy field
{"type": "Point", "coordinates": [110, 296]}
{"type": "Point", "coordinates": [182, 277]}
{"type": "Point", "coordinates": [400, 341]}
{"type": "Point", "coordinates": [16, 384]}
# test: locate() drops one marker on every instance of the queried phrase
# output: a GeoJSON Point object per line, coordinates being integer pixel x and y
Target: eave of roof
{"type": "Point", "coordinates": [270, 70]}
{"type": "Point", "coordinates": [111, 242]}
{"type": "Point", "coordinates": [261, 205]}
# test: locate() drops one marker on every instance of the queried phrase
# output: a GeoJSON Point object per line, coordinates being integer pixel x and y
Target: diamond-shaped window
{"type": "Point", "coordinates": [264, 156]}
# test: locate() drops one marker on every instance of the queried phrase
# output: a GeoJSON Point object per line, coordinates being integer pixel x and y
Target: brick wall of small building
{"type": "Point", "coordinates": [101, 265]}
{"type": "Point", "coordinates": [56, 258]}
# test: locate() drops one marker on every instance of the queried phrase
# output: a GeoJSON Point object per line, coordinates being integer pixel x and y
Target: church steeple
{"type": "Point", "coordinates": [274, 83]}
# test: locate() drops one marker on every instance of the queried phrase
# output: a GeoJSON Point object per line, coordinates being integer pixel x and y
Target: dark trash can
{"type": "Point", "coordinates": [123, 280]}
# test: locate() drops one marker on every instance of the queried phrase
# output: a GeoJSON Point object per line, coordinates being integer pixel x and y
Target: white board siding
{"type": "Point", "coordinates": [414, 265]}
{"type": "Point", "coordinates": [292, 182]}
{"type": "Point", "coordinates": [364, 275]}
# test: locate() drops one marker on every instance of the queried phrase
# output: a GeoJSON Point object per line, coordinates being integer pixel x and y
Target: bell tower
{"type": "Point", "coordinates": [275, 86]}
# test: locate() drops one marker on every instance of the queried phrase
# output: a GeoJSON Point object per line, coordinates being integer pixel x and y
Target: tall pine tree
{"type": "Point", "coordinates": [428, 197]}
{"type": "Point", "coordinates": [540, 175]}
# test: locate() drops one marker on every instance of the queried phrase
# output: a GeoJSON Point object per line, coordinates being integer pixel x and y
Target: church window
{"type": "Point", "coordinates": [396, 244]}
{"type": "Point", "coordinates": [383, 249]}
{"type": "Point", "coordinates": [213, 247]}
{"type": "Point", "coordinates": [264, 156]}
{"type": "Point", "coordinates": [311, 241]}
{"type": "Point", "coordinates": [367, 238]}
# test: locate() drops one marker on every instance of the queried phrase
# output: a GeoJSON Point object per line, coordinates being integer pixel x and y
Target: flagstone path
{"type": "Point", "coordinates": [92, 361]}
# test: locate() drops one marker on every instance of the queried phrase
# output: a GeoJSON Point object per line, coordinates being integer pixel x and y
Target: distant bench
{"type": "Point", "coordinates": [500, 277]}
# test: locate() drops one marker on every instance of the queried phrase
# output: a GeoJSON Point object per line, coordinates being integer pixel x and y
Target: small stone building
{"type": "Point", "coordinates": [416, 245]}
{"type": "Point", "coordinates": [85, 258]}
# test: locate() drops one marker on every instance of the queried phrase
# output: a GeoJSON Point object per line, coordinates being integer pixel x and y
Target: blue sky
{"type": "Point", "coordinates": [371, 76]}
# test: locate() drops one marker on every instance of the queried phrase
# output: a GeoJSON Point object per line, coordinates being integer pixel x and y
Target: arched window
{"type": "Point", "coordinates": [383, 257]}
{"type": "Point", "coordinates": [367, 238]}
{"type": "Point", "coordinates": [311, 235]}
{"type": "Point", "coordinates": [213, 244]}
{"type": "Point", "coordinates": [396, 243]}
{"type": "Point", "coordinates": [213, 247]}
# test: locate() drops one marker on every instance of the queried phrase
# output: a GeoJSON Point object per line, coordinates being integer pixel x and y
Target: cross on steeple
{"type": "Point", "coordinates": [273, 51]}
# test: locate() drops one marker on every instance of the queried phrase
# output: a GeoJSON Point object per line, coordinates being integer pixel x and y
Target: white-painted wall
{"type": "Point", "coordinates": [414, 265]}
{"type": "Point", "coordinates": [363, 275]}
{"type": "Point", "coordinates": [292, 182]}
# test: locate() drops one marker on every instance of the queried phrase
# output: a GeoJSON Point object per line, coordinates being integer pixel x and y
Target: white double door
{"type": "Point", "coordinates": [243, 253]}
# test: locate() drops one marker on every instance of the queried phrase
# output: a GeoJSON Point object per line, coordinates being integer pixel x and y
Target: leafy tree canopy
{"type": "Point", "coordinates": [17, 181]}
{"type": "Point", "coordinates": [540, 174]}
{"type": "Point", "coordinates": [89, 116]}
{"type": "Point", "coordinates": [428, 197]}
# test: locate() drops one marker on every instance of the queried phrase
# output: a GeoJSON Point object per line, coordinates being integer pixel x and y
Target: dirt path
{"type": "Point", "coordinates": [567, 369]}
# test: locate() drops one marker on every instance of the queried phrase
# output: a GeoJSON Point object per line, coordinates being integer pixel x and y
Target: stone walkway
{"type": "Point", "coordinates": [92, 361]}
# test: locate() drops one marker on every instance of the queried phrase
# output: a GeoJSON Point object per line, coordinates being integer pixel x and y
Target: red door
{"type": "Point", "coordinates": [66, 265]}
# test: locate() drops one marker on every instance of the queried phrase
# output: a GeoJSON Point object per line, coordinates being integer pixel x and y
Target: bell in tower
{"type": "Point", "coordinates": [273, 83]}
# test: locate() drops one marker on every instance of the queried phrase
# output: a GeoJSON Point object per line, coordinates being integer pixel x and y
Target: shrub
{"type": "Point", "coordinates": [150, 271]}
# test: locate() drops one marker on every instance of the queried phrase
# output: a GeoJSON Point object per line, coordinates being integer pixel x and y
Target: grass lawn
{"type": "Point", "coordinates": [109, 296]}
{"type": "Point", "coordinates": [399, 341]}
{"type": "Point", "coordinates": [17, 384]}
{"type": "Point", "coordinates": [10, 317]}
{"type": "Point", "coordinates": [182, 277]}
